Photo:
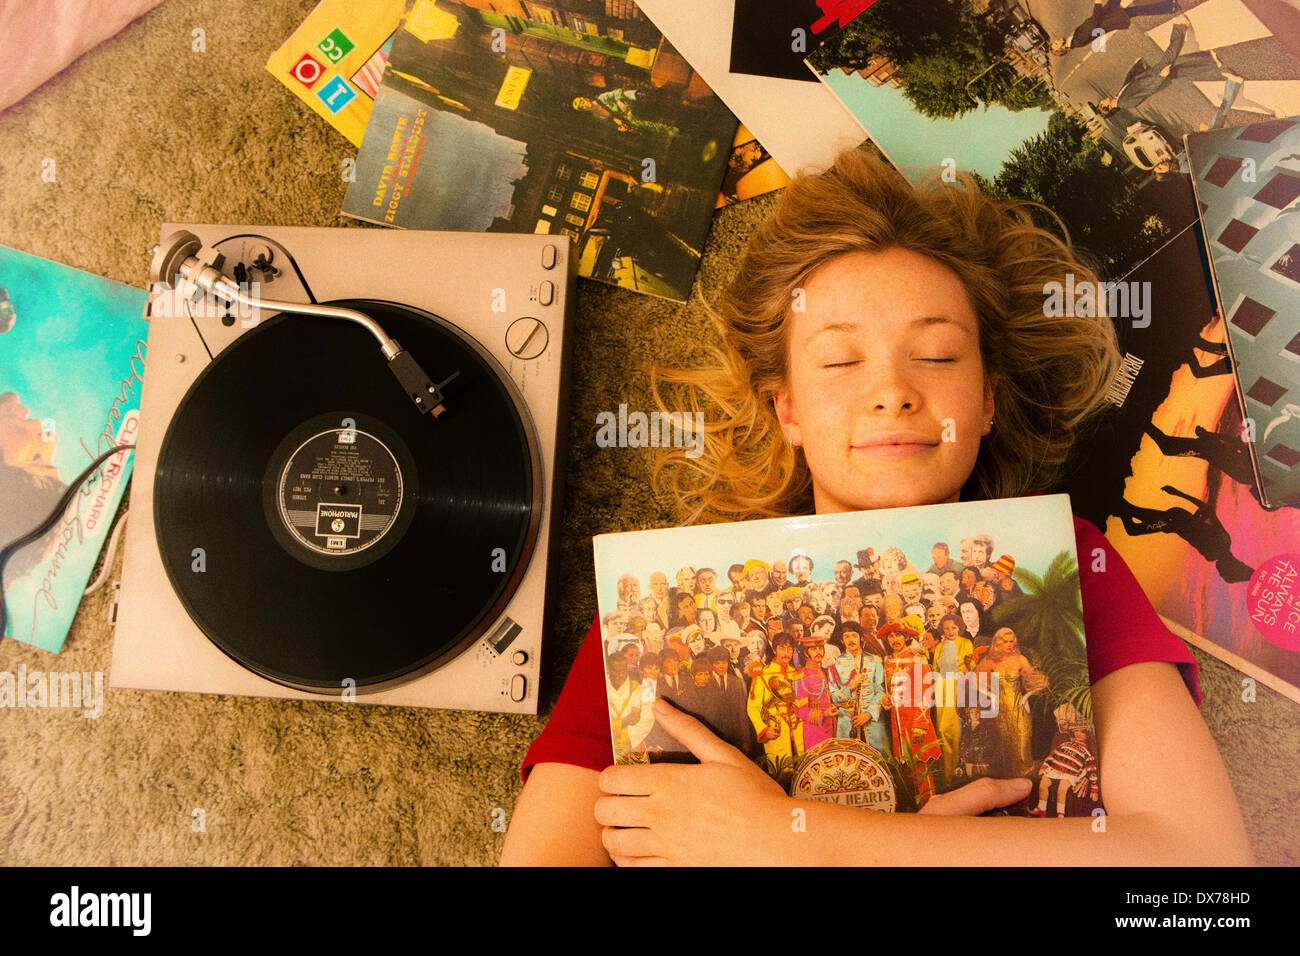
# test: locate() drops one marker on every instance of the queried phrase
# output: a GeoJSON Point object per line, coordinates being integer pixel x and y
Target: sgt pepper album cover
{"type": "Point", "coordinates": [870, 658]}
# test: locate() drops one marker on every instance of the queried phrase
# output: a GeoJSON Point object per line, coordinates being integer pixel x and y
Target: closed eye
{"type": "Point", "coordinates": [841, 364]}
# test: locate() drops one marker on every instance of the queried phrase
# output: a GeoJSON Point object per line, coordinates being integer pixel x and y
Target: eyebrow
{"type": "Point", "coordinates": [924, 321]}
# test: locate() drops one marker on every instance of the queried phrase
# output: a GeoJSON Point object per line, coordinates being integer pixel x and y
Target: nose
{"type": "Point", "coordinates": [890, 390]}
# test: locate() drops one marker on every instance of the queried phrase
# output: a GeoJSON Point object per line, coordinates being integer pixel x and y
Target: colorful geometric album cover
{"type": "Point", "coordinates": [72, 353]}
{"type": "Point", "coordinates": [870, 658]}
{"type": "Point", "coordinates": [1167, 476]}
{"type": "Point", "coordinates": [1247, 184]}
{"type": "Point", "coordinates": [335, 60]}
{"type": "Point", "coordinates": [1081, 107]}
{"type": "Point", "coordinates": [519, 117]}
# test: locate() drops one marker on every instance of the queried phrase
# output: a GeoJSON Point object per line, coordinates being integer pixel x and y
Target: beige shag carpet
{"type": "Point", "coordinates": [144, 130]}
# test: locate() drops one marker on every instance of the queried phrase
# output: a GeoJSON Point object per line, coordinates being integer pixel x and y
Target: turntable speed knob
{"type": "Point", "coordinates": [519, 658]}
{"type": "Point", "coordinates": [527, 337]}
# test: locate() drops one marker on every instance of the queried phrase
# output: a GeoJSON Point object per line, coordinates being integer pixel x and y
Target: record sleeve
{"type": "Point", "coordinates": [869, 658]}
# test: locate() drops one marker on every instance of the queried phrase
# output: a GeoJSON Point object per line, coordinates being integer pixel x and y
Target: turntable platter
{"type": "Point", "coordinates": [318, 529]}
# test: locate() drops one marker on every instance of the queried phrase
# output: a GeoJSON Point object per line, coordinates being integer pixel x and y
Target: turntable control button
{"type": "Point", "coordinates": [546, 293]}
{"type": "Point", "coordinates": [527, 337]}
{"type": "Point", "coordinates": [518, 686]}
{"type": "Point", "coordinates": [519, 657]}
{"type": "Point", "coordinates": [549, 256]}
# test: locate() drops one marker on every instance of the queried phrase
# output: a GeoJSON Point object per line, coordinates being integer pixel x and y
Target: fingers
{"type": "Point", "coordinates": [626, 835]}
{"type": "Point", "coordinates": [629, 844]}
{"type": "Point", "coordinates": [631, 781]}
{"type": "Point", "coordinates": [695, 737]}
{"type": "Point", "coordinates": [622, 812]}
{"type": "Point", "coordinates": [978, 797]}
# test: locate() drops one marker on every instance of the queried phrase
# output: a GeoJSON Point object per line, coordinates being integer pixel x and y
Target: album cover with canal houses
{"type": "Point", "coordinates": [72, 351]}
{"type": "Point", "coordinates": [870, 658]}
{"type": "Point", "coordinates": [574, 119]}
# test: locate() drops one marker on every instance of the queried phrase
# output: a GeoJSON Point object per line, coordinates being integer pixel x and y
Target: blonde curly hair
{"type": "Point", "coordinates": [1049, 373]}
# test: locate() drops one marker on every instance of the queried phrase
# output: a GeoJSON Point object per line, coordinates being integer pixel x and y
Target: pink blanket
{"type": "Point", "coordinates": [38, 38]}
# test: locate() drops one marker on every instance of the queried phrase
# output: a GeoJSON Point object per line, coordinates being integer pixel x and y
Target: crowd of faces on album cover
{"type": "Point", "coordinates": [944, 664]}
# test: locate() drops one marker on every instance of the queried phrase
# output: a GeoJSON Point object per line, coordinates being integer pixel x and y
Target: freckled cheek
{"type": "Point", "coordinates": [829, 415]}
{"type": "Point", "coordinates": [966, 411]}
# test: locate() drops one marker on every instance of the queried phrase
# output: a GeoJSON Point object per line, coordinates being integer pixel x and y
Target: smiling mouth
{"type": "Point", "coordinates": [900, 449]}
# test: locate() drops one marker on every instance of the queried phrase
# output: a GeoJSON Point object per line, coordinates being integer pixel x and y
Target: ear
{"type": "Point", "coordinates": [990, 384]}
{"type": "Point", "coordinates": [783, 404]}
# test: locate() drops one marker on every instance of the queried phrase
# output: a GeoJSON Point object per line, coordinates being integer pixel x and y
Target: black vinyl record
{"type": "Point", "coordinates": [319, 529]}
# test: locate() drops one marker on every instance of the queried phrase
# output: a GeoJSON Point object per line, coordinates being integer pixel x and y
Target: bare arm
{"type": "Point", "coordinates": [554, 823]}
{"type": "Point", "coordinates": [1166, 791]}
{"type": "Point", "coordinates": [1167, 794]}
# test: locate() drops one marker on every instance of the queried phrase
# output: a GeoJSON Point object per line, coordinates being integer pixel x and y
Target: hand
{"type": "Point", "coordinates": [768, 733]}
{"type": "Point", "coordinates": [856, 681]}
{"type": "Point", "coordinates": [675, 814]}
{"type": "Point", "coordinates": [987, 793]}
{"type": "Point", "coordinates": [857, 720]}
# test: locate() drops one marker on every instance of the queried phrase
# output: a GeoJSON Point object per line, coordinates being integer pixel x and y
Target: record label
{"type": "Point", "coordinates": [340, 491]}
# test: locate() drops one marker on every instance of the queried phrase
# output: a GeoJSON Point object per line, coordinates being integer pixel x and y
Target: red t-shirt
{"type": "Point", "coordinates": [1119, 624]}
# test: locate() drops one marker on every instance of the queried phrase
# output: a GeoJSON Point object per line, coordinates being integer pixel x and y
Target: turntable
{"type": "Point", "coordinates": [346, 475]}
